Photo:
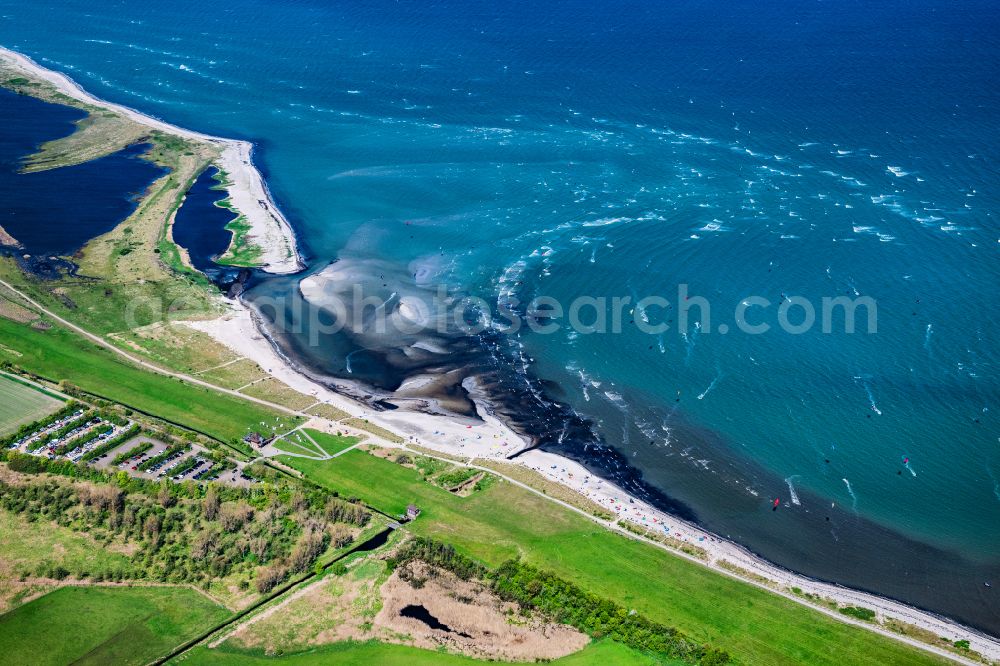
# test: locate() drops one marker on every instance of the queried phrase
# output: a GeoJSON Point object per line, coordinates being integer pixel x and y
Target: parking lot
{"type": "Point", "coordinates": [74, 444]}
{"type": "Point", "coordinates": [157, 461]}
{"type": "Point", "coordinates": [77, 435]}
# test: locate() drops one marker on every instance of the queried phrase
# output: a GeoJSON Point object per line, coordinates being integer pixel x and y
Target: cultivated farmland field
{"type": "Point", "coordinates": [20, 404]}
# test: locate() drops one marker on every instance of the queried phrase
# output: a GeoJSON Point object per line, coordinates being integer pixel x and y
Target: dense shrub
{"type": "Point", "coordinates": [182, 533]}
{"type": "Point", "coordinates": [859, 612]}
{"type": "Point", "coordinates": [269, 577]}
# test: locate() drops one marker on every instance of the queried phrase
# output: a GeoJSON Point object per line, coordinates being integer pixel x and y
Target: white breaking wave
{"type": "Point", "coordinates": [871, 400]}
{"type": "Point", "coordinates": [605, 221]}
{"type": "Point", "coordinates": [347, 361]}
{"type": "Point", "coordinates": [617, 400]}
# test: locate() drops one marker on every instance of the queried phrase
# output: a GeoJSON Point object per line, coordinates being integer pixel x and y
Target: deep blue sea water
{"type": "Point", "coordinates": [620, 149]}
{"type": "Point", "coordinates": [56, 212]}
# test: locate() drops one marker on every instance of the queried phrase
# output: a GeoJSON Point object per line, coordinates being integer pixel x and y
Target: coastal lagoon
{"type": "Point", "coordinates": [56, 212]}
{"type": "Point", "coordinates": [580, 150]}
{"type": "Point", "coordinates": [200, 225]}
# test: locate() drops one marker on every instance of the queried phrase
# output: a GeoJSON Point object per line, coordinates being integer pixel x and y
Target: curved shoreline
{"type": "Point", "coordinates": [449, 435]}
{"type": "Point", "coordinates": [248, 192]}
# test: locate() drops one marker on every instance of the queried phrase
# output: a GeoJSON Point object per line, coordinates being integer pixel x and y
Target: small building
{"type": "Point", "coordinates": [255, 440]}
{"type": "Point", "coordinates": [412, 511]}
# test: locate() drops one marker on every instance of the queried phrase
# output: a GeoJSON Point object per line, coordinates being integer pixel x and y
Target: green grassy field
{"type": "Point", "coordinates": [59, 354]}
{"type": "Point", "coordinates": [603, 653]}
{"type": "Point", "coordinates": [21, 404]}
{"type": "Point", "coordinates": [332, 444]}
{"type": "Point", "coordinates": [289, 445]}
{"type": "Point", "coordinates": [104, 625]}
{"type": "Point", "coordinates": [505, 521]}
{"type": "Point", "coordinates": [25, 544]}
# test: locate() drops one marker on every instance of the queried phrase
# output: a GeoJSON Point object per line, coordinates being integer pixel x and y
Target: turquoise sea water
{"type": "Point", "coordinates": [610, 150]}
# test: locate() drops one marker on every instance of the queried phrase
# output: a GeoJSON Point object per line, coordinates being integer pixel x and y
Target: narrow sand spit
{"type": "Point", "coordinates": [247, 190]}
{"type": "Point", "coordinates": [7, 239]}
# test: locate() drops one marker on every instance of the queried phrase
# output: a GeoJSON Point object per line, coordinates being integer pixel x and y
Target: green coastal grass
{"type": "Point", "coordinates": [603, 653]}
{"type": "Point", "coordinates": [104, 625]}
{"type": "Point", "coordinates": [332, 444]}
{"type": "Point", "coordinates": [504, 521]}
{"type": "Point", "coordinates": [289, 446]}
{"type": "Point", "coordinates": [25, 544]}
{"type": "Point", "coordinates": [20, 404]}
{"type": "Point", "coordinates": [58, 354]}
{"type": "Point", "coordinates": [241, 251]}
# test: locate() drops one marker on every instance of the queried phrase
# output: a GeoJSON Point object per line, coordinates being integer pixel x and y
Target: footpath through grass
{"type": "Point", "coordinates": [104, 625]}
{"type": "Point", "coordinates": [59, 354]}
{"type": "Point", "coordinates": [505, 521]}
{"type": "Point", "coordinates": [20, 404]}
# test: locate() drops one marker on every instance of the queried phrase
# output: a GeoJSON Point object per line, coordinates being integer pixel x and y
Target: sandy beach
{"type": "Point", "coordinates": [487, 438]}
{"type": "Point", "coordinates": [248, 193]}
{"type": "Point", "coordinates": [453, 436]}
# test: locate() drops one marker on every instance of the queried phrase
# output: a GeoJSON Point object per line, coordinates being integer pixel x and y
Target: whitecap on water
{"type": "Point", "coordinates": [606, 221]}
{"type": "Point", "coordinates": [791, 490]}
